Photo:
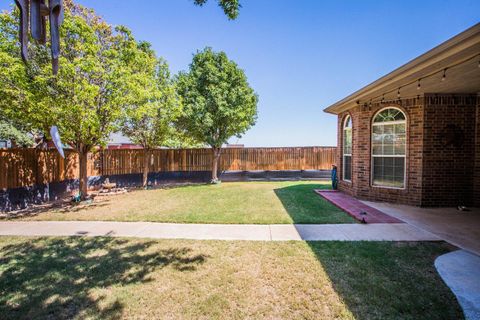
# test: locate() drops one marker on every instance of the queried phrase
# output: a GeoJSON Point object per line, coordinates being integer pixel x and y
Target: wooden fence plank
{"type": "Point", "coordinates": [26, 167]}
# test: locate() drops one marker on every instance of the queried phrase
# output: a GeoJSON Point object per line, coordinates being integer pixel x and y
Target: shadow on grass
{"type": "Point", "coordinates": [304, 206]}
{"type": "Point", "coordinates": [63, 206]}
{"type": "Point", "coordinates": [54, 277]}
{"type": "Point", "coordinates": [388, 280]}
{"type": "Point", "coordinates": [376, 280]}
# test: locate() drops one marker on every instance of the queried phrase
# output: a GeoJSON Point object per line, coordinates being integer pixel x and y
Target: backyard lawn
{"type": "Point", "coordinates": [231, 202]}
{"type": "Point", "coordinates": [105, 278]}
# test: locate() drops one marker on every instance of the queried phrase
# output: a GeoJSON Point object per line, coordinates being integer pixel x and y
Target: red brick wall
{"type": "Point", "coordinates": [438, 173]}
{"type": "Point", "coordinates": [361, 154]}
{"type": "Point", "coordinates": [476, 194]}
{"type": "Point", "coordinates": [449, 150]}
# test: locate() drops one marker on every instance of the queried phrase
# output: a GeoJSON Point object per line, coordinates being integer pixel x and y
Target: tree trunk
{"type": "Point", "coordinates": [216, 158]}
{"type": "Point", "coordinates": [83, 178]}
{"type": "Point", "coordinates": [146, 166]}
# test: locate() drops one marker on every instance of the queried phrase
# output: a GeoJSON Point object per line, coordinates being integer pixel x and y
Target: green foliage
{"type": "Point", "coordinates": [148, 119]}
{"type": "Point", "coordinates": [218, 102]}
{"type": "Point", "coordinates": [86, 97]}
{"type": "Point", "coordinates": [13, 78]}
{"type": "Point", "coordinates": [230, 7]}
{"type": "Point", "coordinates": [10, 132]}
{"type": "Point", "coordinates": [96, 80]}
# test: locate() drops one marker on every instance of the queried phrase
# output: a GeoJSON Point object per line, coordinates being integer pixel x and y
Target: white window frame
{"type": "Point", "coordinates": [389, 156]}
{"type": "Point", "coordinates": [344, 128]}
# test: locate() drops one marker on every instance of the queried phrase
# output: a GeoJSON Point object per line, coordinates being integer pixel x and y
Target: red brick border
{"type": "Point", "coordinates": [355, 208]}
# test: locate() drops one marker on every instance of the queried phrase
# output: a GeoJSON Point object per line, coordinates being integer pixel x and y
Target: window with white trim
{"type": "Point", "coordinates": [347, 149]}
{"type": "Point", "coordinates": [389, 148]}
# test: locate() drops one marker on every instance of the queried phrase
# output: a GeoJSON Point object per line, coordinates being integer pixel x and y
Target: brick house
{"type": "Point", "coordinates": [413, 136]}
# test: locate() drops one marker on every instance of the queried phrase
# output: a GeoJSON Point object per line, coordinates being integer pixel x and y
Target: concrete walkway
{"type": "Point", "coordinates": [460, 271]}
{"type": "Point", "coordinates": [274, 232]}
{"type": "Point", "coordinates": [460, 228]}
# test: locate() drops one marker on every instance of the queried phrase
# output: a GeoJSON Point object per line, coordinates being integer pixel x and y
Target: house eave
{"type": "Point", "coordinates": [461, 46]}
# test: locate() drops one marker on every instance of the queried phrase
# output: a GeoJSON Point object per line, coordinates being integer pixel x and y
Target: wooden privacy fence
{"type": "Point", "coordinates": [25, 167]}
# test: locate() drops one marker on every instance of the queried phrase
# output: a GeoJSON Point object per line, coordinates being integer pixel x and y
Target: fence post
{"type": "Point", "coordinates": [171, 164]}
{"type": "Point", "coordinates": [37, 153]}
{"type": "Point", "coordinates": [23, 167]}
{"type": "Point", "coordinates": [61, 167]}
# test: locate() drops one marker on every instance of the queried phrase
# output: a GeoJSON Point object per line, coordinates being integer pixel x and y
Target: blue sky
{"type": "Point", "coordinates": [299, 55]}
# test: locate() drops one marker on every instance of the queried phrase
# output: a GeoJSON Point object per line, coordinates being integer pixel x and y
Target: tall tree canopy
{"type": "Point", "coordinates": [85, 99]}
{"type": "Point", "coordinates": [148, 119]}
{"type": "Point", "coordinates": [218, 102]}
{"type": "Point", "coordinates": [230, 7]}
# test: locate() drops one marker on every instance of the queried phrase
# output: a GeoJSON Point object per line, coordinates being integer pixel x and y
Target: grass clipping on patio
{"type": "Point", "coordinates": [107, 278]}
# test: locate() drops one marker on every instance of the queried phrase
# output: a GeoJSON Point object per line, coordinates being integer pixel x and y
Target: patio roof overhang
{"type": "Point", "coordinates": [458, 58]}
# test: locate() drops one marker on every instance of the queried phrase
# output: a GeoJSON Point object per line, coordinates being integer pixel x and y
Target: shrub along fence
{"type": "Point", "coordinates": [27, 167]}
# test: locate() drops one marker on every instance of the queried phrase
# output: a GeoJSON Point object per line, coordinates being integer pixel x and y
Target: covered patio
{"type": "Point", "coordinates": [460, 228]}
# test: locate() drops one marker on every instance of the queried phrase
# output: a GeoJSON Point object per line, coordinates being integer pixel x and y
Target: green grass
{"type": "Point", "coordinates": [111, 278]}
{"type": "Point", "coordinates": [233, 202]}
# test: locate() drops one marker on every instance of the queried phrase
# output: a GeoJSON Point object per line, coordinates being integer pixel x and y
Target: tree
{"type": "Point", "coordinates": [148, 119]}
{"type": "Point", "coordinates": [10, 132]}
{"type": "Point", "coordinates": [13, 78]}
{"type": "Point", "coordinates": [85, 99]}
{"type": "Point", "coordinates": [218, 102]}
{"type": "Point", "coordinates": [230, 7]}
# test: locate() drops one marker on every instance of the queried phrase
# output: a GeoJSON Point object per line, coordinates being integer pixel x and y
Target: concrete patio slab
{"type": "Point", "coordinates": [460, 228]}
{"type": "Point", "coordinates": [322, 232]}
{"type": "Point", "coordinates": [207, 231]}
{"type": "Point", "coordinates": [13, 228]}
{"type": "Point", "coordinates": [309, 232]}
{"type": "Point", "coordinates": [461, 272]}
{"type": "Point", "coordinates": [386, 232]}
{"type": "Point", "coordinates": [72, 228]}
{"type": "Point", "coordinates": [284, 232]}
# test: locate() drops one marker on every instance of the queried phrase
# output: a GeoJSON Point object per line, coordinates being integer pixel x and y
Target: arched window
{"type": "Point", "coordinates": [347, 149]}
{"type": "Point", "coordinates": [389, 148]}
